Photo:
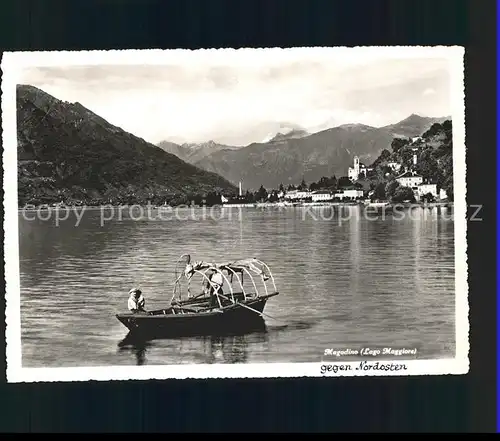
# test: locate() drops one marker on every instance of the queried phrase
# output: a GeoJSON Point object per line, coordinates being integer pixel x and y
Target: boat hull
{"type": "Point", "coordinates": [235, 318]}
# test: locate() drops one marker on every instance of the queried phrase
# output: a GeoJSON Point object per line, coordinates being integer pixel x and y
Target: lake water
{"type": "Point", "coordinates": [345, 281]}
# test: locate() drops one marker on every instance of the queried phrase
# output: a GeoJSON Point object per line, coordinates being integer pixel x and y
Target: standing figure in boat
{"type": "Point", "coordinates": [136, 302]}
{"type": "Point", "coordinates": [215, 289]}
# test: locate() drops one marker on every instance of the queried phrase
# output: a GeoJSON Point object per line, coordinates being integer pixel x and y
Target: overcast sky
{"type": "Point", "coordinates": [238, 103]}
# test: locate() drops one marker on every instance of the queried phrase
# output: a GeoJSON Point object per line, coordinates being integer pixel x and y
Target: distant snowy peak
{"type": "Point", "coordinates": [204, 145]}
{"type": "Point", "coordinates": [291, 134]}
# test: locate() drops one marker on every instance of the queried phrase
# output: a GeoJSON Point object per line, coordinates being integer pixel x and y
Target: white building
{"type": "Point", "coordinates": [223, 199]}
{"type": "Point", "coordinates": [424, 189]}
{"type": "Point", "coordinates": [297, 195]}
{"type": "Point", "coordinates": [395, 166]}
{"type": "Point", "coordinates": [349, 194]}
{"type": "Point", "coordinates": [410, 179]}
{"type": "Point", "coordinates": [321, 195]}
{"type": "Point", "coordinates": [358, 168]}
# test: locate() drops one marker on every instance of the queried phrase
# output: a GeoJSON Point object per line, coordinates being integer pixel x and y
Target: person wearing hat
{"type": "Point", "coordinates": [136, 301]}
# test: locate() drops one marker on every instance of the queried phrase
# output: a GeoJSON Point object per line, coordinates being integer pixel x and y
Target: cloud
{"type": "Point", "coordinates": [239, 100]}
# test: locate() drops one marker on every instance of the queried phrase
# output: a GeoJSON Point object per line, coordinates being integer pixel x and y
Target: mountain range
{"type": "Point", "coordinates": [288, 158]}
{"type": "Point", "coordinates": [67, 153]}
{"type": "Point", "coordinates": [193, 153]}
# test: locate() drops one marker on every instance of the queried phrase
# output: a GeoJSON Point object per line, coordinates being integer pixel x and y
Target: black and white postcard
{"type": "Point", "coordinates": [231, 213]}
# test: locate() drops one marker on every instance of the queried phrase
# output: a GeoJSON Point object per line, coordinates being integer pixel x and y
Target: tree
{"type": "Point", "coordinates": [273, 197]}
{"type": "Point", "coordinates": [261, 194]}
{"type": "Point", "coordinates": [384, 156]}
{"type": "Point", "coordinates": [445, 166]}
{"type": "Point", "coordinates": [448, 130]}
{"type": "Point", "coordinates": [428, 167]}
{"type": "Point", "coordinates": [344, 181]}
{"type": "Point", "coordinates": [211, 199]}
{"type": "Point", "coordinates": [434, 130]}
{"type": "Point", "coordinates": [281, 188]}
{"type": "Point", "coordinates": [428, 197]}
{"type": "Point", "coordinates": [333, 182]}
{"type": "Point", "coordinates": [391, 188]}
{"type": "Point", "coordinates": [404, 194]}
{"type": "Point", "coordinates": [303, 185]}
{"type": "Point", "coordinates": [249, 197]}
{"type": "Point", "coordinates": [379, 192]}
{"type": "Point", "coordinates": [443, 150]}
{"type": "Point", "coordinates": [449, 191]}
{"type": "Point", "coordinates": [322, 183]}
{"type": "Point", "coordinates": [325, 183]}
{"type": "Point", "coordinates": [398, 143]}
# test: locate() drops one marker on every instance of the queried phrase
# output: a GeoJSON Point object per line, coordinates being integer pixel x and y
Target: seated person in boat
{"type": "Point", "coordinates": [136, 302]}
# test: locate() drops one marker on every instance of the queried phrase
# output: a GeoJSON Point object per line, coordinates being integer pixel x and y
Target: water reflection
{"type": "Point", "coordinates": [135, 346]}
{"type": "Point", "coordinates": [232, 349]}
{"type": "Point", "coordinates": [228, 349]}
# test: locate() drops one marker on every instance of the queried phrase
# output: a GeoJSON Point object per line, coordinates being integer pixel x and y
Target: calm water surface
{"type": "Point", "coordinates": [343, 284]}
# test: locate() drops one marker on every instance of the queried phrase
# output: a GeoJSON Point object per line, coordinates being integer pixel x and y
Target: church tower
{"type": "Point", "coordinates": [356, 167]}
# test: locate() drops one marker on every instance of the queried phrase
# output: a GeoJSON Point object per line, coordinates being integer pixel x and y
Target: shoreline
{"type": "Point", "coordinates": [252, 205]}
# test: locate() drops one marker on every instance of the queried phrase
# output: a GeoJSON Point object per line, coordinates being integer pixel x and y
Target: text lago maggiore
{"type": "Point", "coordinates": [373, 352]}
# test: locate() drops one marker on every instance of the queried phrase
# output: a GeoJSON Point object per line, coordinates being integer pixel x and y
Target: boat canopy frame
{"type": "Point", "coordinates": [233, 269]}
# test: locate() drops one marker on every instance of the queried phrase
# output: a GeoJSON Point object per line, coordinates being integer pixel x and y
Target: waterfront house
{"type": "Point", "coordinates": [321, 196]}
{"type": "Point", "coordinates": [297, 195]}
{"type": "Point", "coordinates": [426, 188]}
{"type": "Point", "coordinates": [349, 194]}
{"type": "Point", "coordinates": [410, 179]}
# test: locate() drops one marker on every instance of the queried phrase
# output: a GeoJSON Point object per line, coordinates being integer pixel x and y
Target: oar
{"type": "Point", "coordinates": [251, 309]}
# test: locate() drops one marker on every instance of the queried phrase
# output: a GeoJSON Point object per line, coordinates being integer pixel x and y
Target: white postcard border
{"type": "Point", "coordinates": [12, 65]}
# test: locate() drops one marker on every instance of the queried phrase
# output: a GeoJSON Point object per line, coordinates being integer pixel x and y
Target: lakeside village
{"type": "Point", "coordinates": [407, 187]}
{"type": "Point", "coordinates": [404, 185]}
{"type": "Point", "coordinates": [400, 185]}
{"type": "Point", "coordinates": [419, 170]}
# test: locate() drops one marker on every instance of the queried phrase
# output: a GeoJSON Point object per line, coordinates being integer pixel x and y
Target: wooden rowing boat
{"type": "Point", "coordinates": [220, 308]}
